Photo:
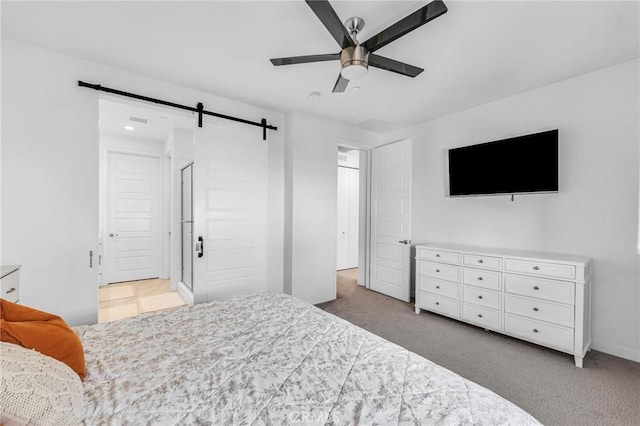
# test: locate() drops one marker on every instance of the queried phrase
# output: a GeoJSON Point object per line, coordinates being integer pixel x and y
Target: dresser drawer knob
{"type": "Point", "coordinates": [479, 315]}
{"type": "Point", "coordinates": [437, 270]}
{"type": "Point", "coordinates": [480, 261]}
{"type": "Point", "coordinates": [437, 303]}
{"type": "Point", "coordinates": [536, 268]}
{"type": "Point", "coordinates": [535, 287]}
{"type": "Point", "coordinates": [480, 297]}
{"type": "Point", "coordinates": [535, 330]}
{"type": "Point", "coordinates": [437, 286]}
{"type": "Point", "coordinates": [437, 254]}
{"type": "Point", "coordinates": [11, 290]}
{"type": "Point", "coordinates": [480, 278]}
{"type": "Point", "coordinates": [536, 309]}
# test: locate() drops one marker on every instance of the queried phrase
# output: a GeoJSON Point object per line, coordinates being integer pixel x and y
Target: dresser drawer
{"type": "Point", "coordinates": [9, 287]}
{"type": "Point", "coordinates": [556, 313]}
{"type": "Point", "coordinates": [439, 255]}
{"type": "Point", "coordinates": [540, 332]}
{"type": "Point", "coordinates": [439, 304]}
{"type": "Point", "coordinates": [482, 296]}
{"type": "Point", "coordinates": [483, 261]}
{"type": "Point", "coordinates": [482, 316]}
{"type": "Point", "coordinates": [440, 270]}
{"type": "Point", "coordinates": [556, 291]}
{"type": "Point", "coordinates": [442, 288]}
{"type": "Point", "coordinates": [482, 278]}
{"type": "Point", "coordinates": [541, 268]}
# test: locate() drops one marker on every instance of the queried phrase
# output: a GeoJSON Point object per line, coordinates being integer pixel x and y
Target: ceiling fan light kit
{"type": "Point", "coordinates": [356, 57]}
{"type": "Point", "coordinates": [355, 62]}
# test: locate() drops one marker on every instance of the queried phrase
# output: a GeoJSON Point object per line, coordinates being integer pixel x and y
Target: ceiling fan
{"type": "Point", "coordinates": [355, 57]}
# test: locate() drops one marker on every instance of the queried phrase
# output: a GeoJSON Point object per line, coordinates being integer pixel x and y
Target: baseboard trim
{"type": "Point", "coordinates": [616, 350]}
{"type": "Point", "coordinates": [186, 294]}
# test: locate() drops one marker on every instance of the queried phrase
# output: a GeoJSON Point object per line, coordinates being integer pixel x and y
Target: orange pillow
{"type": "Point", "coordinates": [44, 332]}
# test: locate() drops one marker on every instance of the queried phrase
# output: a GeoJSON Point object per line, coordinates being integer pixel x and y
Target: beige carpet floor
{"type": "Point", "coordinates": [542, 381]}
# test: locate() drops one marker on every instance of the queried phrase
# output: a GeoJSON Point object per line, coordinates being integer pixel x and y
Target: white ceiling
{"type": "Point", "coordinates": [477, 52]}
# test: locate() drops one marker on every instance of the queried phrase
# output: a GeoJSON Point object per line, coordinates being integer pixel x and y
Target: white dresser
{"type": "Point", "coordinates": [543, 298]}
{"type": "Point", "coordinates": [10, 283]}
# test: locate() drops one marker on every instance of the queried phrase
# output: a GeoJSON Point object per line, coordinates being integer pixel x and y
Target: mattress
{"type": "Point", "coordinates": [270, 359]}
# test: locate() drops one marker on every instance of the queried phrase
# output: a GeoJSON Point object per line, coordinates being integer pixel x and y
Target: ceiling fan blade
{"type": "Point", "coordinates": [330, 20]}
{"type": "Point", "coordinates": [304, 59]}
{"type": "Point", "coordinates": [393, 66]}
{"type": "Point", "coordinates": [341, 84]}
{"type": "Point", "coordinates": [406, 25]}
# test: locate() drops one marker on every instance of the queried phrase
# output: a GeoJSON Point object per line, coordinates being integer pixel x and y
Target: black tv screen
{"type": "Point", "coordinates": [517, 165]}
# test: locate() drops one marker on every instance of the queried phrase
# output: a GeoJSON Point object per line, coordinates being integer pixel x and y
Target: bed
{"type": "Point", "coordinates": [269, 359]}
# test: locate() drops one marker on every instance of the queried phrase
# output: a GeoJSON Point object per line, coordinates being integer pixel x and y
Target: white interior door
{"type": "Point", "coordinates": [343, 219]}
{"type": "Point", "coordinates": [354, 211]}
{"type": "Point", "coordinates": [230, 174]}
{"type": "Point", "coordinates": [347, 223]}
{"type": "Point", "coordinates": [391, 220]}
{"type": "Point", "coordinates": [134, 218]}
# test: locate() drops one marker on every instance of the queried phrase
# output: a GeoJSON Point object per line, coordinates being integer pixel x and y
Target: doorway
{"type": "Point", "coordinates": [350, 211]}
{"type": "Point", "coordinates": [140, 207]}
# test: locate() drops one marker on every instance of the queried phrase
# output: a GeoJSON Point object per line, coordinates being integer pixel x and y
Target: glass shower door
{"type": "Point", "coordinates": [187, 225]}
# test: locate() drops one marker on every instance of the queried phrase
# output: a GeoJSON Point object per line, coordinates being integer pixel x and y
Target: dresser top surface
{"type": "Point", "coordinates": [523, 254]}
{"type": "Point", "coordinates": [6, 270]}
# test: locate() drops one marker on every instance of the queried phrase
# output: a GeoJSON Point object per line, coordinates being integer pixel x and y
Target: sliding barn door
{"type": "Point", "coordinates": [391, 220]}
{"type": "Point", "coordinates": [229, 211]}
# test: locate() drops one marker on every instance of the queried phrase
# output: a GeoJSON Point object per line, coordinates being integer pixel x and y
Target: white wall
{"type": "Point", "coordinates": [50, 172]}
{"type": "Point", "coordinates": [595, 212]}
{"type": "Point", "coordinates": [311, 191]}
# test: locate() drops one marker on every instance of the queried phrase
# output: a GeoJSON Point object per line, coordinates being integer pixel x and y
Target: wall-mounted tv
{"type": "Point", "coordinates": [519, 165]}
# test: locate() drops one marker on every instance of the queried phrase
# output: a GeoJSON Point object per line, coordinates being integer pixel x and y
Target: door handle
{"type": "Point", "coordinates": [200, 246]}
{"type": "Point", "coordinates": [405, 241]}
{"type": "Point", "coordinates": [111, 234]}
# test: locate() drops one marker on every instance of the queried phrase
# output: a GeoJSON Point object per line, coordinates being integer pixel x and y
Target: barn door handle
{"type": "Point", "coordinates": [200, 246]}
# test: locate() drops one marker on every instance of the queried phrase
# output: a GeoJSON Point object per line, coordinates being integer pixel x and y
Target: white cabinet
{"type": "Point", "coordinates": [543, 298]}
{"type": "Point", "coordinates": [10, 283]}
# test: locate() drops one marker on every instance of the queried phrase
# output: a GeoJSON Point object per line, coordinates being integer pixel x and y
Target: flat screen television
{"type": "Point", "coordinates": [519, 165]}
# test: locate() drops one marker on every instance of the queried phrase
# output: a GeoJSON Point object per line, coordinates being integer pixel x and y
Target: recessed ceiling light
{"type": "Point", "coordinates": [355, 89]}
{"type": "Point", "coordinates": [313, 95]}
{"type": "Point", "coordinates": [129, 128]}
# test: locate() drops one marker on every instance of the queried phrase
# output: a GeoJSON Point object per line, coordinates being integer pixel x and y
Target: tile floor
{"type": "Point", "coordinates": [132, 298]}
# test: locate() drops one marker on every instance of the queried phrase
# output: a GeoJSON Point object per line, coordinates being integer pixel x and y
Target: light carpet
{"type": "Point", "coordinates": [542, 381]}
{"type": "Point", "coordinates": [159, 302]}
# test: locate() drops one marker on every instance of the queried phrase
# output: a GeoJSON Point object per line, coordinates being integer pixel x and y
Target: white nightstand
{"type": "Point", "coordinates": [10, 283]}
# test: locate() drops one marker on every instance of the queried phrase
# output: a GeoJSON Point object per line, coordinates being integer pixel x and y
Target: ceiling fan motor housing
{"type": "Point", "coordinates": [356, 57]}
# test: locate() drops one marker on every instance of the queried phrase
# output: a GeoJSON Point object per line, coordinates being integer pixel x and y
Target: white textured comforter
{"type": "Point", "coordinates": [270, 359]}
